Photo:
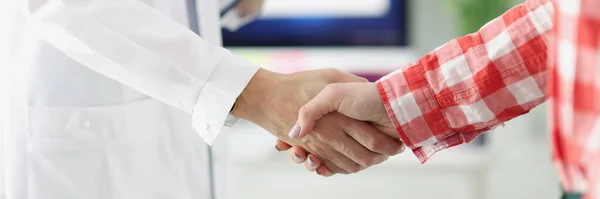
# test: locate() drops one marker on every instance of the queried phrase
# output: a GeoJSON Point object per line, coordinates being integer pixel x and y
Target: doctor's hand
{"type": "Point", "coordinates": [248, 8]}
{"type": "Point", "coordinates": [242, 13]}
{"type": "Point", "coordinates": [345, 145]}
{"type": "Point", "coordinates": [360, 101]}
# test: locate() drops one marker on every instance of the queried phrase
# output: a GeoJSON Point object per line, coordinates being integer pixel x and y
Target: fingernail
{"type": "Point", "coordinates": [297, 158]}
{"type": "Point", "coordinates": [311, 163]}
{"type": "Point", "coordinates": [276, 147]}
{"type": "Point", "coordinates": [295, 131]}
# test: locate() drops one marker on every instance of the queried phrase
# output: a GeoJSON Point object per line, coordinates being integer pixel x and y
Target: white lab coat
{"type": "Point", "coordinates": [101, 99]}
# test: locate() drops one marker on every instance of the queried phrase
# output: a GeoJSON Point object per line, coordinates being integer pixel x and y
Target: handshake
{"type": "Point", "coordinates": [332, 121]}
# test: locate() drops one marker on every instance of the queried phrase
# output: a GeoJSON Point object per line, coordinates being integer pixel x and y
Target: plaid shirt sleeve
{"type": "Point", "coordinates": [575, 95]}
{"type": "Point", "coordinates": [471, 84]}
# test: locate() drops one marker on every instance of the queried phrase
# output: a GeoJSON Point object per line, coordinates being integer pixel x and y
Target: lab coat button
{"type": "Point", "coordinates": [201, 126]}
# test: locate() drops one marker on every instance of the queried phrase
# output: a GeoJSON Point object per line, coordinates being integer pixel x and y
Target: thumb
{"type": "Point", "coordinates": [352, 78]}
{"type": "Point", "coordinates": [327, 101]}
{"type": "Point", "coordinates": [348, 77]}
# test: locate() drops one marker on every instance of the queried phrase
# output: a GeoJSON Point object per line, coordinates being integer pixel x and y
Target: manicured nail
{"type": "Point", "coordinates": [295, 131]}
{"type": "Point", "coordinates": [402, 148]}
{"type": "Point", "coordinates": [297, 158]}
{"type": "Point", "coordinates": [311, 163]}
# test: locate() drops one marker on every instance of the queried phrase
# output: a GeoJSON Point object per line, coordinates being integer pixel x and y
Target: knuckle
{"type": "Point", "coordinates": [385, 147]}
{"type": "Point", "coordinates": [373, 161]}
{"type": "Point", "coordinates": [322, 137]}
{"type": "Point", "coordinates": [333, 71]}
{"type": "Point", "coordinates": [362, 79]}
{"type": "Point", "coordinates": [375, 145]}
{"type": "Point", "coordinates": [342, 148]}
{"type": "Point", "coordinates": [335, 169]}
{"type": "Point", "coordinates": [402, 150]}
{"type": "Point", "coordinates": [303, 111]}
{"type": "Point", "coordinates": [378, 145]}
{"type": "Point", "coordinates": [385, 158]}
{"type": "Point", "coordinates": [398, 148]}
{"type": "Point", "coordinates": [341, 171]}
{"type": "Point", "coordinates": [380, 159]}
{"type": "Point", "coordinates": [307, 141]}
{"type": "Point", "coordinates": [354, 168]}
{"type": "Point", "coordinates": [332, 88]}
{"type": "Point", "coordinates": [364, 162]}
{"type": "Point", "coordinates": [333, 74]}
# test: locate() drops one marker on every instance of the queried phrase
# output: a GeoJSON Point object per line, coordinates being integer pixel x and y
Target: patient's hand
{"type": "Point", "coordinates": [359, 101]}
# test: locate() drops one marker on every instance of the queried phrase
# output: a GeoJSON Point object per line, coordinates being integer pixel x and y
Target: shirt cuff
{"type": "Point", "coordinates": [225, 84]}
{"type": "Point", "coordinates": [416, 114]}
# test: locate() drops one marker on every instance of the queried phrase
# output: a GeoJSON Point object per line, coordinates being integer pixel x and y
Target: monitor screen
{"type": "Point", "coordinates": [307, 23]}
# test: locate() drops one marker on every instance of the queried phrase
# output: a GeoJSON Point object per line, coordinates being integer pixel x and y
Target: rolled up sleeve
{"type": "Point", "coordinates": [472, 84]}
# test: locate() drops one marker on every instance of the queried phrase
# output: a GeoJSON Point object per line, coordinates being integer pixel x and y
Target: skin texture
{"type": "Point", "coordinates": [342, 144]}
{"type": "Point", "coordinates": [360, 101]}
{"type": "Point", "coordinates": [248, 8]}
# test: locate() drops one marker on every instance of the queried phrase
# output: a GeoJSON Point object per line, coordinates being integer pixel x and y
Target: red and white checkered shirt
{"type": "Point", "coordinates": [537, 50]}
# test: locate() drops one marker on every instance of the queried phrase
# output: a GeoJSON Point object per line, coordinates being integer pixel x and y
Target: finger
{"type": "Point", "coordinates": [324, 171]}
{"type": "Point", "coordinates": [346, 145]}
{"type": "Point", "coordinates": [298, 155]}
{"type": "Point", "coordinates": [248, 7]}
{"type": "Point", "coordinates": [357, 152]}
{"type": "Point", "coordinates": [312, 162]}
{"type": "Point", "coordinates": [332, 167]}
{"type": "Point", "coordinates": [282, 146]}
{"type": "Point", "coordinates": [331, 158]}
{"type": "Point", "coordinates": [329, 140]}
{"type": "Point", "coordinates": [321, 169]}
{"type": "Point", "coordinates": [373, 139]}
{"type": "Point", "coordinates": [323, 104]}
{"type": "Point", "coordinates": [342, 164]}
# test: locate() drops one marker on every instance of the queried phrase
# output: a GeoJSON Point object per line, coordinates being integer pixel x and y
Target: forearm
{"type": "Point", "coordinates": [473, 83]}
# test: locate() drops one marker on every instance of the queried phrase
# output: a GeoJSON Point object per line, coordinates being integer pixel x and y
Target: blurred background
{"type": "Point", "coordinates": [372, 38]}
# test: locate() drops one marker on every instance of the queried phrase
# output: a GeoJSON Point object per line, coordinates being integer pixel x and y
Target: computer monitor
{"type": "Point", "coordinates": [314, 23]}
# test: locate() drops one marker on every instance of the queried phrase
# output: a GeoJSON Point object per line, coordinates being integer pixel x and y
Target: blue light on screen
{"type": "Point", "coordinates": [388, 29]}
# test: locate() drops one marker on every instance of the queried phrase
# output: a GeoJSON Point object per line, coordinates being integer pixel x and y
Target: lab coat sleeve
{"type": "Point", "coordinates": [133, 43]}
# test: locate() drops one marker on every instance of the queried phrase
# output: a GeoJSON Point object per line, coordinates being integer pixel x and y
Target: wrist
{"type": "Point", "coordinates": [254, 97]}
